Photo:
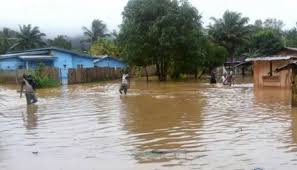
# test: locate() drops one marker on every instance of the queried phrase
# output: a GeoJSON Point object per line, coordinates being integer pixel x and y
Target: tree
{"type": "Point", "coordinates": [7, 39]}
{"type": "Point", "coordinates": [291, 37]}
{"type": "Point", "coordinates": [274, 24]}
{"type": "Point", "coordinates": [60, 41]}
{"type": "Point", "coordinates": [161, 32]}
{"type": "Point", "coordinates": [266, 41]}
{"type": "Point", "coordinates": [28, 38]}
{"type": "Point", "coordinates": [98, 30]}
{"type": "Point", "coordinates": [104, 47]}
{"type": "Point", "coordinates": [231, 31]}
{"type": "Point", "coordinates": [215, 55]}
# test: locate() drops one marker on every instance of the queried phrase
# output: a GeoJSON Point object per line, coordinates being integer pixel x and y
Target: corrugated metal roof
{"type": "Point", "coordinates": [46, 50]}
{"type": "Point", "coordinates": [10, 55]}
{"type": "Point", "coordinates": [289, 48]}
{"type": "Point", "coordinates": [36, 57]}
{"type": "Point", "coordinates": [287, 66]}
{"type": "Point", "coordinates": [269, 58]}
{"type": "Point", "coordinates": [105, 57]}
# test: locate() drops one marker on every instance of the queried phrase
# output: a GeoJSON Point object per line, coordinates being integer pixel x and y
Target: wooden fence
{"type": "Point", "coordinates": [15, 76]}
{"type": "Point", "coordinates": [87, 75]}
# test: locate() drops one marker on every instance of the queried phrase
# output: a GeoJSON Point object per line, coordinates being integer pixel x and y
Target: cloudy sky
{"type": "Point", "coordinates": [68, 16]}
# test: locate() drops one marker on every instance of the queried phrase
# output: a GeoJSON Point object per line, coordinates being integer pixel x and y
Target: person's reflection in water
{"type": "Point", "coordinates": [30, 118]}
{"type": "Point", "coordinates": [163, 134]}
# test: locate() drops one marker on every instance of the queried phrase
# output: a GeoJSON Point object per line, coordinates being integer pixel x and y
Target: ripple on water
{"type": "Point", "coordinates": [170, 125]}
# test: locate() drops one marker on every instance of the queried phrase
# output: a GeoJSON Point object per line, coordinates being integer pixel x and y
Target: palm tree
{"type": "Point", "coordinates": [7, 38]}
{"type": "Point", "coordinates": [28, 38]}
{"type": "Point", "coordinates": [251, 53]}
{"type": "Point", "coordinates": [98, 30]}
{"type": "Point", "coordinates": [231, 31]}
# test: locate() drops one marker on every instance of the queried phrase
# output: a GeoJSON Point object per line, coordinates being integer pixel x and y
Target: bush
{"type": "Point", "coordinates": [43, 80]}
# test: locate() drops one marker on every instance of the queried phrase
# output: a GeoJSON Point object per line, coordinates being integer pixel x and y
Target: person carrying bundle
{"type": "Point", "coordinates": [28, 85]}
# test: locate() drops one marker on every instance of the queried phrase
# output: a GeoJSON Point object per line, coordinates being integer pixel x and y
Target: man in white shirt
{"type": "Point", "coordinates": [125, 83]}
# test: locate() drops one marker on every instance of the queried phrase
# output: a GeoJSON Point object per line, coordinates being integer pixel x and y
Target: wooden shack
{"type": "Point", "coordinates": [264, 69]}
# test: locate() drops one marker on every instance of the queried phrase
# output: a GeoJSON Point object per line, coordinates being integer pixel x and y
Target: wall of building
{"type": "Point", "coordinates": [11, 64]}
{"type": "Point", "coordinates": [109, 62]}
{"type": "Point", "coordinates": [35, 64]}
{"type": "Point", "coordinates": [82, 61]}
{"type": "Point", "coordinates": [263, 79]}
{"type": "Point", "coordinates": [63, 60]}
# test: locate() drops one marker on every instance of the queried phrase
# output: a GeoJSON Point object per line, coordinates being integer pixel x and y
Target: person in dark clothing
{"type": "Point", "coordinates": [29, 85]}
{"type": "Point", "coordinates": [213, 78]}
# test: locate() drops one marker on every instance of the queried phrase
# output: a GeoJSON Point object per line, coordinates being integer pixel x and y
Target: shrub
{"type": "Point", "coordinates": [43, 80]}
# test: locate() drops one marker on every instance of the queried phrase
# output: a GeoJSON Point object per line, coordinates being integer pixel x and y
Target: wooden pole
{"type": "Point", "coordinates": [294, 87]}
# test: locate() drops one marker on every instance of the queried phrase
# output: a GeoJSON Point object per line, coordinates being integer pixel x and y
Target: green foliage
{"type": "Point", "coordinates": [28, 38]}
{"type": "Point", "coordinates": [42, 80]}
{"type": "Point", "coordinates": [274, 24]}
{"type": "Point", "coordinates": [266, 41]}
{"type": "Point", "coordinates": [60, 41]}
{"type": "Point", "coordinates": [161, 32]}
{"type": "Point", "coordinates": [231, 31]}
{"type": "Point", "coordinates": [7, 39]}
{"type": "Point", "coordinates": [216, 55]}
{"type": "Point", "coordinates": [104, 47]}
{"type": "Point", "coordinates": [98, 30]}
{"type": "Point", "coordinates": [291, 37]}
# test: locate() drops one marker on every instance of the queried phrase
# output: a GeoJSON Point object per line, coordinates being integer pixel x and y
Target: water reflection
{"type": "Point", "coordinates": [182, 125]}
{"type": "Point", "coordinates": [30, 118]}
{"type": "Point", "coordinates": [163, 124]}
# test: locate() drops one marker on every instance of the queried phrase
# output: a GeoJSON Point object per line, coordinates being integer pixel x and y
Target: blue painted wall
{"type": "Point", "coordinates": [110, 62]}
{"type": "Point", "coordinates": [85, 62]}
{"type": "Point", "coordinates": [63, 60]}
{"type": "Point", "coordinates": [71, 60]}
{"type": "Point", "coordinates": [11, 63]}
{"type": "Point", "coordinates": [34, 64]}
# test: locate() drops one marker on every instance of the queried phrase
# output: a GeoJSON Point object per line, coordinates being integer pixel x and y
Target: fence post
{"type": "Point", "coordinates": [16, 76]}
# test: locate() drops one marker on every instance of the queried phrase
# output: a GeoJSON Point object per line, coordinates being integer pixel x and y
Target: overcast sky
{"type": "Point", "coordinates": [68, 16]}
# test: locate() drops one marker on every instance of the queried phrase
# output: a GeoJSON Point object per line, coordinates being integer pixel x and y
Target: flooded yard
{"type": "Point", "coordinates": [184, 125]}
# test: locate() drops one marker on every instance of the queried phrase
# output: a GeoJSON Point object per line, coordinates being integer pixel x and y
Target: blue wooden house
{"type": "Point", "coordinates": [51, 56]}
{"type": "Point", "coordinates": [108, 61]}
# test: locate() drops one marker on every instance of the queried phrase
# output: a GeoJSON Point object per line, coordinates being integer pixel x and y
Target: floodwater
{"type": "Point", "coordinates": [183, 125]}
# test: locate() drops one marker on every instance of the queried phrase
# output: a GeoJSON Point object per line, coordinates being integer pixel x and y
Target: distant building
{"type": "Point", "coordinates": [264, 69]}
{"type": "Point", "coordinates": [108, 61]}
{"type": "Point", "coordinates": [52, 57]}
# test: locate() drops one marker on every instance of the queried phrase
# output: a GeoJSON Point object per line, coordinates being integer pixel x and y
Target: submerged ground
{"type": "Point", "coordinates": [184, 125]}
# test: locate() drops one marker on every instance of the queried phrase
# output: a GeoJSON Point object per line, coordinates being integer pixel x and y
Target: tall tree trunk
{"type": "Point", "coordinates": [162, 71]}
{"type": "Point", "coordinates": [165, 71]}
{"type": "Point", "coordinates": [203, 71]}
{"type": "Point", "coordinates": [158, 70]}
{"type": "Point", "coordinates": [196, 73]}
{"type": "Point", "coordinates": [243, 71]}
{"type": "Point", "coordinates": [146, 74]}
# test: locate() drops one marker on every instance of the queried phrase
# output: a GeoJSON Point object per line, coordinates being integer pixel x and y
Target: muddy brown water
{"type": "Point", "coordinates": [183, 125]}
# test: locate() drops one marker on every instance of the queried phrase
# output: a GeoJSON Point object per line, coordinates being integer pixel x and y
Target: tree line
{"type": "Point", "coordinates": [168, 34]}
{"type": "Point", "coordinates": [95, 40]}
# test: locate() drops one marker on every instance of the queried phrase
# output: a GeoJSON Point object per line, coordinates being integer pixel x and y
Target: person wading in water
{"type": "Point", "coordinates": [125, 83]}
{"type": "Point", "coordinates": [213, 78]}
{"type": "Point", "coordinates": [30, 87]}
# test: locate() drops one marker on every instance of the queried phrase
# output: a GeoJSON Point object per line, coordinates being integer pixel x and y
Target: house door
{"type": "Point", "coordinates": [64, 74]}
